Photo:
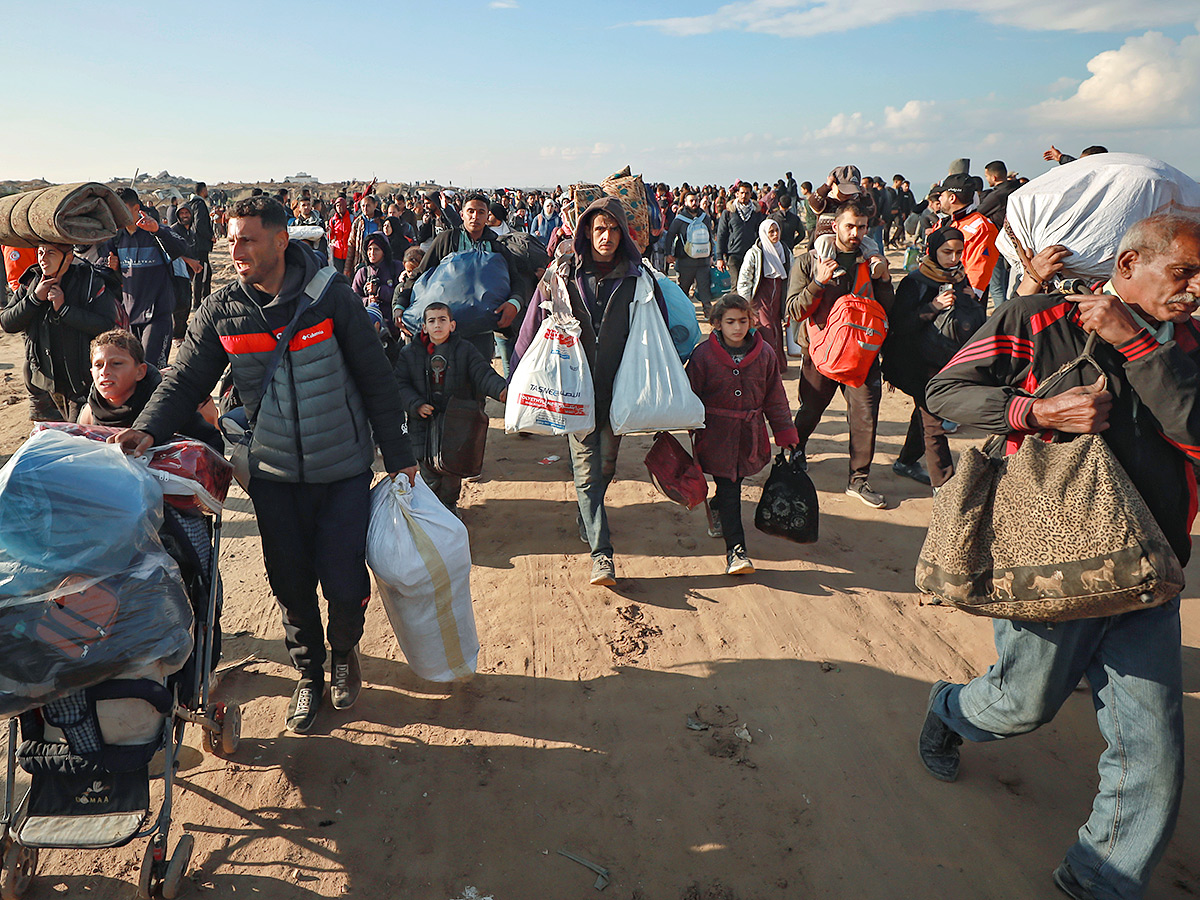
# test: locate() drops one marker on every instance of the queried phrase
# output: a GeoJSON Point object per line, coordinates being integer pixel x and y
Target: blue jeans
{"type": "Point", "coordinates": [1133, 665]}
{"type": "Point", "coordinates": [998, 286]}
{"type": "Point", "coordinates": [876, 234]}
{"type": "Point", "coordinates": [504, 351]}
{"type": "Point", "coordinates": [593, 463]}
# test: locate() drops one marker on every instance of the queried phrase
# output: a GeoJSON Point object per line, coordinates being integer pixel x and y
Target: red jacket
{"type": "Point", "coordinates": [339, 234]}
{"type": "Point", "coordinates": [733, 443]}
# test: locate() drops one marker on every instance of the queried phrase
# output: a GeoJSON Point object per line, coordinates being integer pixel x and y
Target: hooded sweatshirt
{"type": "Point", "coordinates": [388, 271]}
{"type": "Point", "coordinates": [147, 289]}
{"type": "Point", "coordinates": [600, 300]}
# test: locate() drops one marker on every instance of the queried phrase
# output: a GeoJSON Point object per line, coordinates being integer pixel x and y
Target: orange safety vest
{"type": "Point", "coordinates": [17, 261]}
{"type": "Point", "coordinates": [979, 247]}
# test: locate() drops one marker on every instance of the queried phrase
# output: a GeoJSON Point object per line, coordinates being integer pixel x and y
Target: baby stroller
{"type": "Point", "coordinates": [88, 754]}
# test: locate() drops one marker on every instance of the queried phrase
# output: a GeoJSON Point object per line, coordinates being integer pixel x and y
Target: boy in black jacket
{"type": "Point", "coordinates": [434, 368]}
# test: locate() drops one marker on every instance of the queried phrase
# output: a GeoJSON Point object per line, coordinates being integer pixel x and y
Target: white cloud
{"type": "Point", "coordinates": [916, 120]}
{"type": "Point", "coordinates": [1148, 81]}
{"type": "Point", "coordinates": [912, 115]}
{"type": "Point", "coordinates": [804, 18]}
{"type": "Point", "coordinates": [504, 4]}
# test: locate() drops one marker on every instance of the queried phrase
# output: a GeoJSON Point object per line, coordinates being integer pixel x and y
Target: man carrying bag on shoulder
{"type": "Point", "coordinates": [1146, 407]}
{"type": "Point", "coordinates": [331, 398]}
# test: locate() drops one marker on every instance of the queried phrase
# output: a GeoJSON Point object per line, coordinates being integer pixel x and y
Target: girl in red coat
{"type": "Point", "coordinates": [737, 376]}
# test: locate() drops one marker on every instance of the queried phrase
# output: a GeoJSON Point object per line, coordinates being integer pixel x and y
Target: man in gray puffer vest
{"type": "Point", "coordinates": [331, 399]}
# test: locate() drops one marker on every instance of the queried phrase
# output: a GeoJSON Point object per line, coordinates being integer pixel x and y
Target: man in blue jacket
{"type": "Point", "coordinates": [143, 253]}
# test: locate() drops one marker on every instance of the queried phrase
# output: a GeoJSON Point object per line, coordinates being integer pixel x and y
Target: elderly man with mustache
{"type": "Point", "coordinates": [1146, 404]}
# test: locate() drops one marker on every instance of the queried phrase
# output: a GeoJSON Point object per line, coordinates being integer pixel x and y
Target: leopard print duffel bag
{"type": "Point", "coordinates": [1053, 532]}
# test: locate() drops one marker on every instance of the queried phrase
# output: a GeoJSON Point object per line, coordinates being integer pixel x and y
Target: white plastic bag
{"type": "Point", "coordinates": [651, 391]}
{"type": "Point", "coordinates": [1087, 205]}
{"type": "Point", "coordinates": [419, 553]}
{"type": "Point", "coordinates": [551, 391]}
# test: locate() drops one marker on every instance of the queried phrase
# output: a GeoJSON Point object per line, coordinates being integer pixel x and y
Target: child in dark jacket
{"type": "Point", "coordinates": [437, 367]}
{"type": "Point", "coordinates": [737, 376]}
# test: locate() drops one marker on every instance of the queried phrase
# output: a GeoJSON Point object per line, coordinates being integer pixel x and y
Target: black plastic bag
{"type": "Point", "coordinates": [788, 508]}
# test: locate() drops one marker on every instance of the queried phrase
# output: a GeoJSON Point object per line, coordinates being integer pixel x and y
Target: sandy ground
{"type": "Point", "coordinates": [574, 736]}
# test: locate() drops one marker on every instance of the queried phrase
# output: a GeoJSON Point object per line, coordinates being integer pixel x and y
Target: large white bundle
{"type": "Point", "coordinates": [1088, 204]}
{"type": "Point", "coordinates": [419, 553]}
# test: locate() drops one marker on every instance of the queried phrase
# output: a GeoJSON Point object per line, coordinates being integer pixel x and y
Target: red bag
{"type": "Point", "coordinates": [196, 462]}
{"type": "Point", "coordinates": [847, 345]}
{"type": "Point", "coordinates": [673, 471]}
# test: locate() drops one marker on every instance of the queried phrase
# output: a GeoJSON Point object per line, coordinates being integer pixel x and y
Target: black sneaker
{"type": "Point", "coordinates": [862, 490]}
{"type": "Point", "coordinates": [737, 562]}
{"type": "Point", "coordinates": [915, 471]}
{"type": "Point", "coordinates": [1065, 881]}
{"type": "Point", "coordinates": [306, 700]}
{"type": "Point", "coordinates": [800, 460]}
{"type": "Point", "coordinates": [345, 679]}
{"type": "Point", "coordinates": [938, 745]}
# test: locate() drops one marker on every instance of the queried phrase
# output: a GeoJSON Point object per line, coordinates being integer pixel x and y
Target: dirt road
{"type": "Point", "coordinates": [574, 735]}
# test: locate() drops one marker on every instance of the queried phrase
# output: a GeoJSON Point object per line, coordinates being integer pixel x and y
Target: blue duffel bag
{"type": "Point", "coordinates": [473, 283]}
{"type": "Point", "coordinates": [681, 317]}
{"type": "Point", "coordinates": [720, 283]}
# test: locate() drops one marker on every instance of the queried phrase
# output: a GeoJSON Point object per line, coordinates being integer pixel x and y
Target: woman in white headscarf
{"type": "Point", "coordinates": [546, 221]}
{"type": "Point", "coordinates": [763, 281]}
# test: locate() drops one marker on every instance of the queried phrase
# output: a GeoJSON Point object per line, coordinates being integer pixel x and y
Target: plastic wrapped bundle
{"type": "Point", "coordinates": [87, 592]}
{"type": "Point", "coordinates": [1087, 205]}
{"type": "Point", "coordinates": [193, 476]}
{"type": "Point", "coordinates": [72, 506]}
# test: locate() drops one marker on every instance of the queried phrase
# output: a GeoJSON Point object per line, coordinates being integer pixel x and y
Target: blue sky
{"type": "Point", "coordinates": [531, 93]}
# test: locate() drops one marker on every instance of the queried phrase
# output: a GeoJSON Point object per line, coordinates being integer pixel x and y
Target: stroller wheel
{"type": "Point", "coordinates": [148, 877]}
{"type": "Point", "coordinates": [20, 864]}
{"type": "Point", "coordinates": [228, 718]}
{"type": "Point", "coordinates": [177, 867]}
{"type": "Point", "coordinates": [231, 729]}
{"type": "Point", "coordinates": [212, 739]}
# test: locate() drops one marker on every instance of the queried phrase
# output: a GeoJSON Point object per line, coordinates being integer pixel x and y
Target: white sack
{"type": "Point", "coordinates": [419, 553]}
{"type": "Point", "coordinates": [1088, 204]}
{"type": "Point", "coordinates": [551, 391]}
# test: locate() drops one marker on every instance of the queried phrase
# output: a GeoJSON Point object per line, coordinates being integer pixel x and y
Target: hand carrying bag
{"type": "Point", "coordinates": [788, 506]}
{"type": "Point", "coordinates": [1054, 532]}
{"type": "Point", "coordinates": [675, 472]}
{"type": "Point", "coordinates": [456, 438]}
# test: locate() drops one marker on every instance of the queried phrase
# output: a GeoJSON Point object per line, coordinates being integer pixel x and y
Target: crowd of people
{"type": "Point", "coordinates": [365, 365]}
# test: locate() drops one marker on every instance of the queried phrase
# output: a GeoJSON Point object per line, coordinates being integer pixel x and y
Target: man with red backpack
{"type": "Point", "coordinates": [845, 293]}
